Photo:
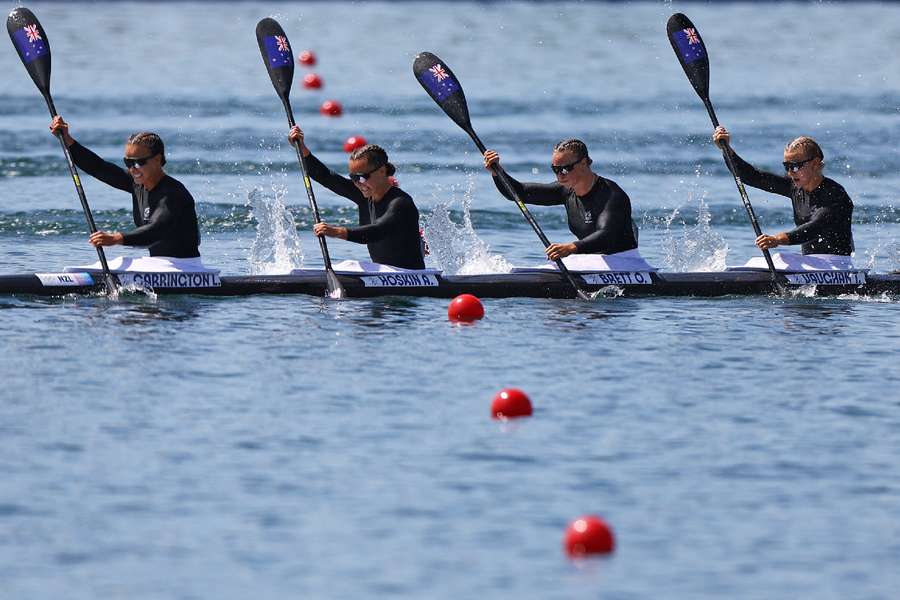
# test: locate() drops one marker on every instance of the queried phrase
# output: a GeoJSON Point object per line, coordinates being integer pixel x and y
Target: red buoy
{"type": "Point", "coordinates": [312, 81]}
{"type": "Point", "coordinates": [307, 57]}
{"type": "Point", "coordinates": [331, 108]}
{"type": "Point", "coordinates": [589, 535]}
{"type": "Point", "coordinates": [354, 142]}
{"type": "Point", "coordinates": [510, 403]}
{"type": "Point", "coordinates": [465, 307]}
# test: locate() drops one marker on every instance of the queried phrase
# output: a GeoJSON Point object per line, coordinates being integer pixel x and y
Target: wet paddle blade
{"type": "Point", "coordinates": [276, 53]}
{"type": "Point", "coordinates": [445, 89]}
{"type": "Point", "coordinates": [335, 289]}
{"type": "Point", "coordinates": [30, 40]}
{"type": "Point", "coordinates": [691, 52]}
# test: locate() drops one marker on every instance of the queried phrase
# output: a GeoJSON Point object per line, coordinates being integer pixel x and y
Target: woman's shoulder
{"type": "Point", "coordinates": [834, 190]}
{"type": "Point", "coordinates": [170, 185]}
{"type": "Point", "coordinates": [396, 194]}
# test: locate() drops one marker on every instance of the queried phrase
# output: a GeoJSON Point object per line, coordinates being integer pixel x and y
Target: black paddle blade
{"type": "Point", "coordinates": [691, 52]}
{"type": "Point", "coordinates": [444, 88]}
{"type": "Point", "coordinates": [276, 53]}
{"type": "Point", "coordinates": [30, 41]}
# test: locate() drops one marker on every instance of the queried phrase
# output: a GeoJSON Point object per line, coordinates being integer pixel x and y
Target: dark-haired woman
{"type": "Point", "coordinates": [164, 213]}
{"type": "Point", "coordinates": [388, 217]}
{"type": "Point", "coordinates": [599, 212]}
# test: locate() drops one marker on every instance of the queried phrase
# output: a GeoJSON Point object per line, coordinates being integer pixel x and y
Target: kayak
{"type": "Point", "coordinates": [548, 284]}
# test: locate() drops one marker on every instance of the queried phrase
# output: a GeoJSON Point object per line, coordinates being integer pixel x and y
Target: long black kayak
{"type": "Point", "coordinates": [496, 285]}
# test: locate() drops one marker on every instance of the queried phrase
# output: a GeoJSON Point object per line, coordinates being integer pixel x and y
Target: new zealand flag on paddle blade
{"type": "Point", "coordinates": [439, 82]}
{"type": "Point", "coordinates": [279, 51]}
{"type": "Point", "coordinates": [30, 43]}
{"type": "Point", "coordinates": [688, 42]}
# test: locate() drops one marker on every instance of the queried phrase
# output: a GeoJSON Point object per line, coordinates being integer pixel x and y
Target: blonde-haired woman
{"type": "Point", "coordinates": [822, 208]}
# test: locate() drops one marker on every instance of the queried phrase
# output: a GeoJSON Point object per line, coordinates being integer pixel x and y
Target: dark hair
{"type": "Point", "coordinates": [375, 156]}
{"type": "Point", "coordinates": [576, 147]}
{"type": "Point", "coordinates": [806, 143]}
{"type": "Point", "coordinates": [149, 140]}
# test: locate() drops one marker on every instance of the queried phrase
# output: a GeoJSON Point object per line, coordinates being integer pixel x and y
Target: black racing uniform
{"type": "Point", "coordinates": [822, 216]}
{"type": "Point", "coordinates": [165, 217]}
{"type": "Point", "coordinates": [601, 220]}
{"type": "Point", "coordinates": [389, 227]}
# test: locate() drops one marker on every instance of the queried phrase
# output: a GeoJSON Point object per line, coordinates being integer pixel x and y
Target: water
{"type": "Point", "coordinates": [279, 447]}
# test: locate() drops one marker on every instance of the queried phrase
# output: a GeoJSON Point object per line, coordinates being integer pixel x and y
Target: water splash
{"type": "Point", "coordinates": [276, 248]}
{"type": "Point", "coordinates": [698, 247]}
{"type": "Point", "coordinates": [803, 291]}
{"type": "Point", "coordinates": [885, 248]}
{"type": "Point", "coordinates": [893, 252]}
{"type": "Point", "coordinates": [885, 251]}
{"type": "Point", "coordinates": [456, 248]}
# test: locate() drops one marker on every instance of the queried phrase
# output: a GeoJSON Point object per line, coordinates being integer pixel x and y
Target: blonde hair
{"type": "Point", "coordinates": [808, 145]}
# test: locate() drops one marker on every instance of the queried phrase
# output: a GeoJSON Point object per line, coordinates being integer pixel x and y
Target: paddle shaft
{"type": "Point", "coordinates": [740, 186]}
{"type": "Point", "coordinates": [308, 184]}
{"type": "Point", "coordinates": [78, 187]}
{"type": "Point", "coordinates": [508, 186]}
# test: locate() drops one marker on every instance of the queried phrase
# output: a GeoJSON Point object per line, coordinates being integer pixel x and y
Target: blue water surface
{"type": "Point", "coordinates": [282, 447]}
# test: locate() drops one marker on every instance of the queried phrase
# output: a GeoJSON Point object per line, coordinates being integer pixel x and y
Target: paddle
{"type": "Point", "coordinates": [445, 89]}
{"type": "Point", "coordinates": [31, 42]}
{"type": "Point", "coordinates": [276, 53]}
{"type": "Point", "coordinates": [691, 53]}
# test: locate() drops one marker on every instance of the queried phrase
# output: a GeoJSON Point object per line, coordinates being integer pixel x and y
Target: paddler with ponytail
{"type": "Point", "coordinates": [388, 217]}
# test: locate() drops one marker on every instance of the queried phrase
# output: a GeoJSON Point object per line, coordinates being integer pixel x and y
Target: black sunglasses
{"type": "Point", "coordinates": [137, 162]}
{"type": "Point", "coordinates": [565, 169]}
{"type": "Point", "coordinates": [794, 166]}
{"type": "Point", "coordinates": [359, 177]}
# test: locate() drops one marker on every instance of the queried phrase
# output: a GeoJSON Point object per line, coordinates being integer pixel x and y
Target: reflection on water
{"type": "Point", "coordinates": [816, 316]}
{"type": "Point", "coordinates": [141, 310]}
{"type": "Point", "coordinates": [372, 314]}
{"type": "Point", "coordinates": [151, 313]}
{"type": "Point", "coordinates": [579, 315]}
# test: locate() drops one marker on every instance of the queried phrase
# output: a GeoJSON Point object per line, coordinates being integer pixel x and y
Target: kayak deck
{"type": "Point", "coordinates": [494, 285]}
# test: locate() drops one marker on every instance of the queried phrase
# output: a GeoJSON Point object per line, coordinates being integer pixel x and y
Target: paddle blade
{"type": "Point", "coordinates": [335, 289]}
{"type": "Point", "coordinates": [444, 88]}
{"type": "Point", "coordinates": [31, 43]}
{"type": "Point", "coordinates": [276, 53]}
{"type": "Point", "coordinates": [691, 52]}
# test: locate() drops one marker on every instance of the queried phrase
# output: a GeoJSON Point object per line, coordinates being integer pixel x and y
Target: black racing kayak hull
{"type": "Point", "coordinates": [509, 285]}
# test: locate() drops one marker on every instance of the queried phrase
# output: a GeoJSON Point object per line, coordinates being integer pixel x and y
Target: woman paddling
{"type": "Point", "coordinates": [388, 217]}
{"type": "Point", "coordinates": [822, 208]}
{"type": "Point", "coordinates": [164, 214]}
{"type": "Point", "coordinates": [599, 212]}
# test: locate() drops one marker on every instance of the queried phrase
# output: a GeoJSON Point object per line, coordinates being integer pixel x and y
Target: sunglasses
{"type": "Point", "coordinates": [565, 169]}
{"type": "Point", "coordinates": [360, 177]}
{"type": "Point", "coordinates": [137, 162]}
{"type": "Point", "coordinates": [793, 167]}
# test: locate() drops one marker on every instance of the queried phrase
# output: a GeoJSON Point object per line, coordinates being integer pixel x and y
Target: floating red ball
{"type": "Point", "coordinates": [307, 57]}
{"type": "Point", "coordinates": [589, 535]}
{"type": "Point", "coordinates": [510, 404]}
{"type": "Point", "coordinates": [312, 81]}
{"type": "Point", "coordinates": [354, 142]}
{"type": "Point", "coordinates": [465, 307]}
{"type": "Point", "coordinates": [331, 108]}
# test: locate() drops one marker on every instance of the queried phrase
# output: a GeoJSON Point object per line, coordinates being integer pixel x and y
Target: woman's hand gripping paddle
{"type": "Point", "coordinates": [691, 53]}
{"type": "Point", "coordinates": [445, 89]}
{"type": "Point", "coordinates": [276, 53]}
{"type": "Point", "coordinates": [31, 42]}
